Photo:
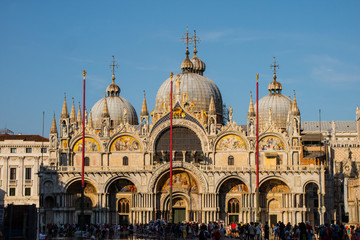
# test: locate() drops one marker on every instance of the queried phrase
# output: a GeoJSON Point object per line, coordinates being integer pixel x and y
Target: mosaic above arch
{"type": "Point", "coordinates": [91, 145]}
{"type": "Point", "coordinates": [271, 143]}
{"type": "Point", "coordinates": [181, 181]}
{"type": "Point", "coordinates": [125, 143]}
{"type": "Point", "coordinates": [231, 142]}
{"type": "Point", "coordinates": [274, 186]}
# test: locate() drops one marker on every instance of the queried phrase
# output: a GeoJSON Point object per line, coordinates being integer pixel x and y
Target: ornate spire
{"type": "Point", "coordinates": [212, 109]}
{"type": "Point", "coordinates": [90, 122]}
{"type": "Point", "coordinates": [186, 65]}
{"type": "Point", "coordinates": [53, 126]}
{"type": "Point", "coordinates": [295, 108]}
{"type": "Point", "coordinates": [251, 112]}
{"type": "Point", "coordinates": [144, 108]}
{"type": "Point", "coordinates": [79, 117]}
{"type": "Point", "coordinates": [198, 65]}
{"type": "Point", "coordinates": [105, 112]}
{"type": "Point", "coordinates": [73, 113]}
{"type": "Point", "coordinates": [64, 112]}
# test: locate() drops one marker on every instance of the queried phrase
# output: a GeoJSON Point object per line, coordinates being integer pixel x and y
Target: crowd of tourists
{"type": "Point", "coordinates": [159, 229]}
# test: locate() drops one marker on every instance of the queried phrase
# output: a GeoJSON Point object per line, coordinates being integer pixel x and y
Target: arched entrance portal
{"type": "Point", "coordinates": [275, 201]}
{"type": "Point", "coordinates": [185, 196]}
{"type": "Point", "coordinates": [234, 200]}
{"type": "Point", "coordinates": [73, 195]}
{"type": "Point", "coordinates": [312, 203]}
{"type": "Point", "coordinates": [120, 194]}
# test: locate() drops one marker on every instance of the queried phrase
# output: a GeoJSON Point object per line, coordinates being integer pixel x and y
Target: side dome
{"type": "Point", "coordinates": [196, 88]}
{"type": "Point", "coordinates": [274, 107]}
{"type": "Point", "coordinates": [118, 108]}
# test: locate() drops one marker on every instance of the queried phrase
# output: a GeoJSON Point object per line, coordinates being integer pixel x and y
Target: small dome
{"type": "Point", "coordinates": [116, 106]}
{"type": "Point", "coordinates": [186, 65]}
{"type": "Point", "coordinates": [198, 65]}
{"type": "Point", "coordinates": [275, 86]}
{"type": "Point", "coordinates": [198, 89]}
{"type": "Point", "coordinates": [113, 89]}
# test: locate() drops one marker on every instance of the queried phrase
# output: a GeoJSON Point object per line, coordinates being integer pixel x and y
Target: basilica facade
{"type": "Point", "coordinates": [308, 171]}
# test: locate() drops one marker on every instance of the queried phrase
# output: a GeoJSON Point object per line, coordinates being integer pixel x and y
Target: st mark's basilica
{"type": "Point", "coordinates": [308, 170]}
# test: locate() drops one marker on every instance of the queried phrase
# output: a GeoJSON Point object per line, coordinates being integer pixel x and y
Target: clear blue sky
{"type": "Point", "coordinates": [45, 45]}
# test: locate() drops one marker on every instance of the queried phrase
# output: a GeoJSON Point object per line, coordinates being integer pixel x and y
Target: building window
{"type": "Point", "coordinates": [230, 160]}
{"type": "Point", "coordinates": [11, 191]}
{"type": "Point", "coordinates": [86, 161]}
{"type": "Point", "coordinates": [43, 150]}
{"type": "Point", "coordinates": [12, 150]}
{"type": "Point", "coordinates": [123, 206]}
{"type": "Point", "coordinates": [27, 191]}
{"type": "Point", "coordinates": [12, 173]}
{"type": "Point", "coordinates": [27, 173]}
{"type": "Point", "coordinates": [125, 161]}
{"type": "Point", "coordinates": [28, 150]}
{"type": "Point", "coordinates": [234, 206]}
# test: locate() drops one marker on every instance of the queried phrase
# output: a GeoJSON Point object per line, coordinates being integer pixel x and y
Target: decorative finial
{"type": "Point", "coordinates": [250, 94]}
{"type": "Point", "coordinates": [113, 66]}
{"type": "Point", "coordinates": [257, 77]}
{"type": "Point", "coordinates": [195, 40]}
{"type": "Point", "coordinates": [171, 75]}
{"type": "Point", "coordinates": [186, 38]}
{"type": "Point", "coordinates": [294, 93]}
{"type": "Point", "coordinates": [144, 93]}
{"type": "Point", "coordinates": [84, 73]}
{"type": "Point", "coordinates": [274, 65]}
{"type": "Point", "coordinates": [65, 95]}
{"type": "Point", "coordinates": [73, 100]}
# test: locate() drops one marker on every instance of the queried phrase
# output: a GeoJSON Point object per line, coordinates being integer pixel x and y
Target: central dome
{"type": "Point", "coordinates": [196, 88]}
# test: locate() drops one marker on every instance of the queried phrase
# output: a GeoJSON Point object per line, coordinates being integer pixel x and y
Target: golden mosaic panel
{"type": "Point", "coordinates": [231, 142]}
{"type": "Point", "coordinates": [125, 143]}
{"type": "Point", "coordinates": [271, 143]}
{"type": "Point", "coordinates": [91, 145]}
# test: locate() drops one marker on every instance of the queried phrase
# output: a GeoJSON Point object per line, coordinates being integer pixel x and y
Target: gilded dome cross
{"type": "Point", "coordinates": [187, 39]}
{"type": "Point", "coordinates": [113, 65]}
{"type": "Point", "coordinates": [274, 65]}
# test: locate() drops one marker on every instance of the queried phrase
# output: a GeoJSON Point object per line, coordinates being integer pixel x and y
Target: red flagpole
{"type": "Point", "coordinates": [83, 134]}
{"type": "Point", "coordinates": [257, 131]}
{"type": "Point", "coordinates": [171, 128]}
{"type": "Point", "coordinates": [257, 190]}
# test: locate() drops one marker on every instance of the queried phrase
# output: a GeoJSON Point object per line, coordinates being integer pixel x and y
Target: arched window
{"type": "Point", "coordinates": [123, 206]}
{"type": "Point", "coordinates": [233, 206]}
{"type": "Point", "coordinates": [125, 161]}
{"type": "Point", "coordinates": [230, 160]}
{"type": "Point", "coordinates": [86, 161]}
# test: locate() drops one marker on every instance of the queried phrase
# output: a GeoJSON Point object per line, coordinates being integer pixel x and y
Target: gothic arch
{"type": "Point", "coordinates": [224, 179]}
{"type": "Point", "coordinates": [163, 169]}
{"type": "Point", "coordinates": [166, 200]}
{"type": "Point", "coordinates": [179, 123]}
